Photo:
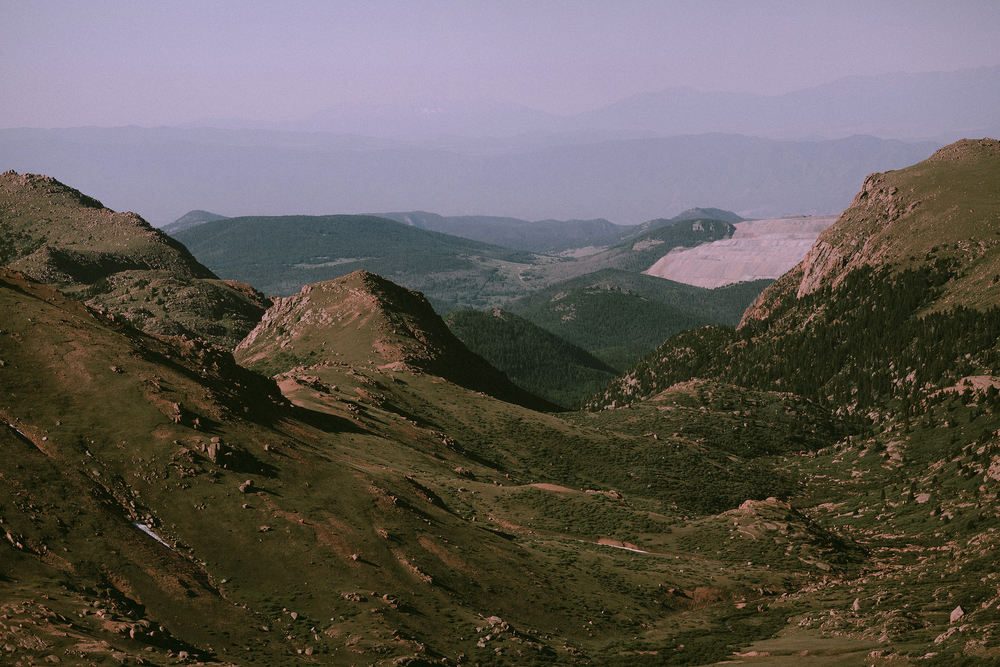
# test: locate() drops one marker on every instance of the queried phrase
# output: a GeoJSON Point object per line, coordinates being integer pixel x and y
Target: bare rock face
{"type": "Point", "coordinates": [758, 249]}
{"type": "Point", "coordinates": [873, 209]}
{"type": "Point", "coordinates": [904, 216]}
{"type": "Point", "coordinates": [956, 614]}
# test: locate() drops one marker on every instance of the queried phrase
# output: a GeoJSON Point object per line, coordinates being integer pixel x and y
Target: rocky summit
{"type": "Point", "coordinates": [363, 318]}
{"type": "Point", "coordinates": [118, 263]}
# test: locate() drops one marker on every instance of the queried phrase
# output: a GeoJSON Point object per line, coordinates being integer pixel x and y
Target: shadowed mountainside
{"type": "Point", "coordinates": [532, 357]}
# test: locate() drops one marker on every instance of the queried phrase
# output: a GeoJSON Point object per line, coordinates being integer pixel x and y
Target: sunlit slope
{"type": "Point", "coordinates": [944, 210]}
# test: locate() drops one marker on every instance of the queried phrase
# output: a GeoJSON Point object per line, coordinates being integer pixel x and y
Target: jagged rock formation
{"type": "Point", "coordinates": [365, 319]}
{"type": "Point", "coordinates": [757, 249]}
{"type": "Point", "coordinates": [118, 263]}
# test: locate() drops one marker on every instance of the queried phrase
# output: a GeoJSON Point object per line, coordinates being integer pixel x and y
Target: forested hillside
{"type": "Point", "coordinates": [866, 346]}
{"type": "Point", "coordinates": [724, 305]}
{"type": "Point", "coordinates": [534, 358]}
{"type": "Point", "coordinates": [620, 316]}
{"type": "Point", "coordinates": [280, 254]}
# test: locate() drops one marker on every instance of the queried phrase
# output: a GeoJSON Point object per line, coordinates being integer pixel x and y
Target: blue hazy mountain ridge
{"type": "Point", "coordinates": [162, 172]}
{"type": "Point", "coordinates": [939, 106]}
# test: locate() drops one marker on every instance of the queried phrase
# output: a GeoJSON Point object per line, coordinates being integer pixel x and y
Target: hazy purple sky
{"type": "Point", "coordinates": [65, 64]}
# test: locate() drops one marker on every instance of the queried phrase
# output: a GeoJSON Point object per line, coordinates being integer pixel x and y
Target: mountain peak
{"type": "Point", "coordinates": [363, 319]}
{"type": "Point", "coordinates": [941, 211]}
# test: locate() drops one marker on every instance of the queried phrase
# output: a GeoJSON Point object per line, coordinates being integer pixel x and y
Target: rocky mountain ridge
{"type": "Point", "coordinates": [365, 318]}
{"type": "Point", "coordinates": [117, 262]}
{"type": "Point", "coordinates": [904, 216]}
{"type": "Point", "coordinates": [942, 210]}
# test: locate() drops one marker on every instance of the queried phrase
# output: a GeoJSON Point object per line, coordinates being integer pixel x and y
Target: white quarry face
{"type": "Point", "coordinates": [758, 249]}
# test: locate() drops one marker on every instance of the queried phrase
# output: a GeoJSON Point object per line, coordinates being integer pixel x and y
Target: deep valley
{"type": "Point", "coordinates": [346, 440]}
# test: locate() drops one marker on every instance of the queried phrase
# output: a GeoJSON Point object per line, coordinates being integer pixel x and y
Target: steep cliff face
{"type": "Point", "coordinates": [118, 263]}
{"type": "Point", "coordinates": [944, 211]}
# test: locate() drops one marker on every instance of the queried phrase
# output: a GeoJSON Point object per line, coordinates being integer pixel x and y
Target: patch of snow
{"type": "Point", "coordinates": [149, 531]}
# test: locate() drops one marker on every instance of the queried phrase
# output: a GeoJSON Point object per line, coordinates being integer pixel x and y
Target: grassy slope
{"type": "Point", "coordinates": [382, 479]}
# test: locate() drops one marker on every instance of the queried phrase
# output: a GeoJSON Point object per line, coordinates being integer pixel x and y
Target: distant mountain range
{"type": "Point", "coordinates": [938, 106]}
{"type": "Point", "coordinates": [543, 236]}
{"type": "Point", "coordinates": [162, 172]}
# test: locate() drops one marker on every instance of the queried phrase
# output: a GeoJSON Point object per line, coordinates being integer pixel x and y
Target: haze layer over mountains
{"type": "Point", "coordinates": [648, 156]}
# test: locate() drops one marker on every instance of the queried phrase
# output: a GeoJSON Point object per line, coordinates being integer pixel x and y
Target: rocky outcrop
{"type": "Point", "coordinates": [941, 212]}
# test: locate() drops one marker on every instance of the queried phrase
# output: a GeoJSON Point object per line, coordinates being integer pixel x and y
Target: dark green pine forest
{"type": "Point", "coordinates": [870, 345]}
{"type": "Point", "coordinates": [534, 358]}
